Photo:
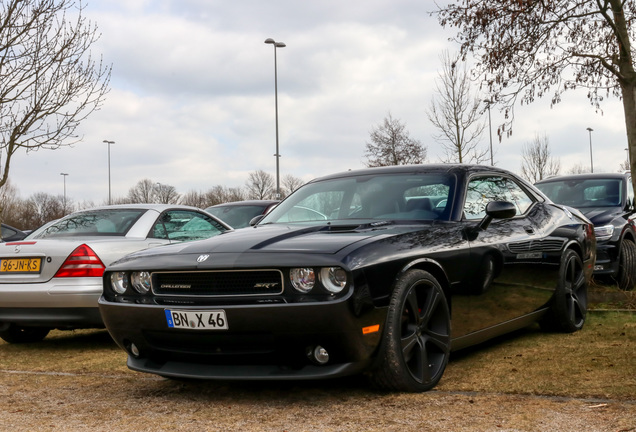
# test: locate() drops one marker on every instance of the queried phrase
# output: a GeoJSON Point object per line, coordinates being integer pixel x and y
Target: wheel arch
{"type": "Point", "coordinates": [435, 269]}
{"type": "Point", "coordinates": [576, 248]}
{"type": "Point", "coordinates": [628, 234]}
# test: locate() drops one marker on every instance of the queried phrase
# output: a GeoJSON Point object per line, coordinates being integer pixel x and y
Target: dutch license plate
{"type": "Point", "coordinates": [20, 265]}
{"type": "Point", "coordinates": [197, 320]}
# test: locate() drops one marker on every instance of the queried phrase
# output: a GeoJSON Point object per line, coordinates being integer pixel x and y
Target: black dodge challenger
{"type": "Point", "coordinates": [381, 271]}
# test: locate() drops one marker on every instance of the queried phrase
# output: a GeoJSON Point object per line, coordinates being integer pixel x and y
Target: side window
{"type": "Point", "coordinates": [630, 192]}
{"type": "Point", "coordinates": [159, 231]}
{"type": "Point", "coordinates": [8, 232]}
{"type": "Point", "coordinates": [482, 190]}
{"type": "Point", "coordinates": [184, 225]}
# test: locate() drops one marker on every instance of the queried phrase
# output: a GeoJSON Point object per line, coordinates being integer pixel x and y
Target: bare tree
{"type": "Point", "coordinates": [142, 192]}
{"type": "Point", "coordinates": [41, 208]}
{"type": "Point", "coordinates": [391, 145]}
{"type": "Point", "coordinates": [194, 199]}
{"type": "Point", "coordinates": [290, 184]}
{"type": "Point", "coordinates": [624, 166]}
{"type": "Point", "coordinates": [49, 82]}
{"type": "Point", "coordinates": [222, 194]}
{"type": "Point", "coordinates": [260, 185]}
{"type": "Point", "coordinates": [165, 194]}
{"type": "Point", "coordinates": [579, 169]}
{"type": "Point", "coordinates": [529, 49]}
{"type": "Point", "coordinates": [456, 113]}
{"type": "Point", "coordinates": [537, 162]}
{"type": "Point", "coordinates": [10, 209]}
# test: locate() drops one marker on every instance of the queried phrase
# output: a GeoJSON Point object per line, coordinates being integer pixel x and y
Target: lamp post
{"type": "Point", "coordinates": [591, 162]}
{"type": "Point", "coordinates": [109, 143]}
{"type": "Point", "coordinates": [488, 102]}
{"type": "Point", "coordinates": [276, 45]}
{"type": "Point", "coordinates": [64, 174]}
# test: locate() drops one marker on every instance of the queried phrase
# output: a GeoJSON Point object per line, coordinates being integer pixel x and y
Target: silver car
{"type": "Point", "coordinates": [53, 278]}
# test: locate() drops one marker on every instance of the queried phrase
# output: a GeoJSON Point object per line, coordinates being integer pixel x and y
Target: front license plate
{"type": "Point", "coordinates": [20, 265]}
{"type": "Point", "coordinates": [197, 320]}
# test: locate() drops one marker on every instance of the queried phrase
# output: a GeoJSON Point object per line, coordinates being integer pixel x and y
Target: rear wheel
{"type": "Point", "coordinates": [569, 304]}
{"type": "Point", "coordinates": [626, 277]}
{"type": "Point", "coordinates": [17, 334]}
{"type": "Point", "coordinates": [416, 342]}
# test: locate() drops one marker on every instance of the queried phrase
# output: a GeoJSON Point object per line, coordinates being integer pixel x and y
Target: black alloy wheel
{"type": "Point", "coordinates": [569, 304]}
{"type": "Point", "coordinates": [416, 340]}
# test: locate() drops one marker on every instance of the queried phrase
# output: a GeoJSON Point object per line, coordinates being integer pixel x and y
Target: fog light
{"type": "Point", "coordinates": [134, 350]}
{"type": "Point", "coordinates": [320, 355]}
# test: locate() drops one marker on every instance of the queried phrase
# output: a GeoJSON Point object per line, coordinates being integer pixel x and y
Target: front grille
{"type": "Point", "coordinates": [545, 245]}
{"type": "Point", "coordinates": [218, 283]}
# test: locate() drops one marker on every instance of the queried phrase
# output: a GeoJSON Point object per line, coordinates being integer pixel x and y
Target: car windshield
{"type": "Point", "coordinates": [237, 216]}
{"type": "Point", "coordinates": [111, 222]}
{"type": "Point", "coordinates": [580, 193]}
{"type": "Point", "coordinates": [421, 196]}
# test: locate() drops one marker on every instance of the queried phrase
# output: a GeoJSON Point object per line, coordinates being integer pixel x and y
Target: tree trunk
{"type": "Point", "coordinates": [629, 106]}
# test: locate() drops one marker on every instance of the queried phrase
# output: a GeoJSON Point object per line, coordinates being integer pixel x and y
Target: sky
{"type": "Point", "coordinates": [191, 101]}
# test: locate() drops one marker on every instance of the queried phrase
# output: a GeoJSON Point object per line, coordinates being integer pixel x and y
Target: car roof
{"type": "Point", "coordinates": [422, 168]}
{"type": "Point", "coordinates": [245, 203]}
{"type": "Point", "coordinates": [585, 176]}
{"type": "Point", "coordinates": [157, 207]}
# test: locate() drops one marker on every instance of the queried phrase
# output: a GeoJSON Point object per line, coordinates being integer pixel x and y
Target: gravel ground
{"type": "Point", "coordinates": [42, 401]}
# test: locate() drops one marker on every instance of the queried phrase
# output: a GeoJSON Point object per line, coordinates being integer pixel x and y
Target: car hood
{"type": "Point", "coordinates": [601, 215]}
{"type": "Point", "coordinates": [291, 240]}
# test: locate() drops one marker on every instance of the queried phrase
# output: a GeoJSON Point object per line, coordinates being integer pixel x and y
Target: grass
{"type": "Point", "coordinates": [79, 381]}
{"type": "Point", "coordinates": [596, 362]}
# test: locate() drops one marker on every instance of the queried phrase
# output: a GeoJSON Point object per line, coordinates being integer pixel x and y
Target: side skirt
{"type": "Point", "coordinates": [497, 330]}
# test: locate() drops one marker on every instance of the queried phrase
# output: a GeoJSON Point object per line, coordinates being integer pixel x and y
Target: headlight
{"type": "Point", "coordinates": [333, 278]}
{"type": "Point", "coordinates": [119, 282]}
{"type": "Point", "coordinates": [303, 279]}
{"type": "Point", "coordinates": [140, 282]}
{"type": "Point", "coordinates": [604, 232]}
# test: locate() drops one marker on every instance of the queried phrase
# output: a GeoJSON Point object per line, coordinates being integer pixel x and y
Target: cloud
{"type": "Point", "coordinates": [192, 99]}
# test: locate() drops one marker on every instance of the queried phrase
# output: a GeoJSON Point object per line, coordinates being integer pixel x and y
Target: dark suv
{"type": "Point", "coordinates": [608, 201]}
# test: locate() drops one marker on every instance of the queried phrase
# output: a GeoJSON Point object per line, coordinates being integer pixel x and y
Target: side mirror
{"type": "Point", "coordinates": [497, 210]}
{"type": "Point", "coordinates": [256, 219]}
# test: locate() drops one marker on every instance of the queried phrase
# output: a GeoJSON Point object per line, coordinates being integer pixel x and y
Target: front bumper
{"type": "Point", "coordinates": [272, 341]}
{"type": "Point", "coordinates": [606, 259]}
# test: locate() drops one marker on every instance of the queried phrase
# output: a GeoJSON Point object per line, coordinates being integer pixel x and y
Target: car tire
{"type": "Point", "coordinates": [415, 345]}
{"type": "Point", "coordinates": [568, 307]}
{"type": "Point", "coordinates": [626, 276]}
{"type": "Point", "coordinates": [17, 334]}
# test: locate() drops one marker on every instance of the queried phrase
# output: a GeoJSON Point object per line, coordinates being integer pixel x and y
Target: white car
{"type": "Point", "coordinates": [53, 278]}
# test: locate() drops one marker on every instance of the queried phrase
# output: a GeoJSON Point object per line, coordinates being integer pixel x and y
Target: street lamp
{"type": "Point", "coordinates": [488, 102]}
{"type": "Point", "coordinates": [276, 45]}
{"type": "Point", "coordinates": [64, 174]}
{"type": "Point", "coordinates": [109, 143]}
{"type": "Point", "coordinates": [591, 162]}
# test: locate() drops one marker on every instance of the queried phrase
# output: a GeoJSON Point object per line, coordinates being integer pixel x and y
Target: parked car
{"type": "Point", "coordinates": [53, 278]}
{"type": "Point", "coordinates": [238, 214]}
{"type": "Point", "coordinates": [391, 269]}
{"type": "Point", "coordinates": [607, 199]}
{"type": "Point", "coordinates": [10, 233]}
